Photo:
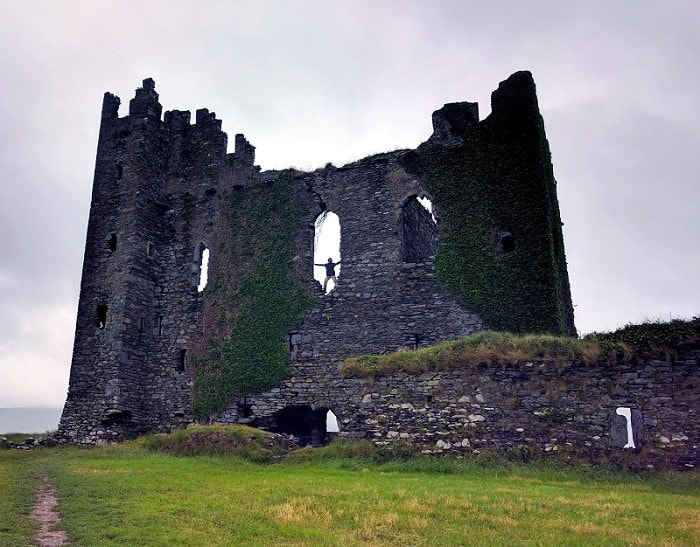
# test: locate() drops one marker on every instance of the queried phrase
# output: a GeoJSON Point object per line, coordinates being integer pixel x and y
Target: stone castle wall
{"type": "Point", "coordinates": [525, 410]}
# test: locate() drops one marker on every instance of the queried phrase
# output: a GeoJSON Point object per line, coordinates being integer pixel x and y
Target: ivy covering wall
{"type": "Point", "coordinates": [499, 184]}
{"type": "Point", "coordinates": [256, 294]}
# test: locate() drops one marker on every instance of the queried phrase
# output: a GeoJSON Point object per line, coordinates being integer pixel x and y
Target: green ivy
{"type": "Point", "coordinates": [500, 179]}
{"type": "Point", "coordinates": [258, 295]}
{"type": "Point", "coordinates": [652, 339]}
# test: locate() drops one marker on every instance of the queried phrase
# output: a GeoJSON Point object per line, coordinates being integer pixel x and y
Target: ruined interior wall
{"type": "Point", "coordinates": [381, 303]}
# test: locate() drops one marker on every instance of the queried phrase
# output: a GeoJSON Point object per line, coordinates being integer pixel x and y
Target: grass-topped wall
{"type": "Point", "coordinates": [501, 247]}
{"type": "Point", "coordinates": [257, 293]}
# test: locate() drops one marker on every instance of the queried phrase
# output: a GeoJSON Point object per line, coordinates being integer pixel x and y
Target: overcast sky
{"type": "Point", "coordinates": [313, 82]}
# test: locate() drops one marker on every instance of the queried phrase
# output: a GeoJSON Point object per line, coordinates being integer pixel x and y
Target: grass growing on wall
{"type": "Point", "coordinates": [257, 294]}
{"type": "Point", "coordinates": [629, 344]}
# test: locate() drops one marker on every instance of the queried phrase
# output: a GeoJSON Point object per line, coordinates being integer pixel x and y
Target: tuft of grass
{"type": "Point", "coordinates": [233, 440]}
{"type": "Point", "coordinates": [632, 343]}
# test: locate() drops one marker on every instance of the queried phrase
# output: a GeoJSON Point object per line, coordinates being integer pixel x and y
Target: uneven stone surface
{"type": "Point", "coordinates": [529, 409]}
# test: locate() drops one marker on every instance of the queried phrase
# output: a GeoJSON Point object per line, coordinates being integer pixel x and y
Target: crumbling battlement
{"type": "Point", "coordinates": [166, 190]}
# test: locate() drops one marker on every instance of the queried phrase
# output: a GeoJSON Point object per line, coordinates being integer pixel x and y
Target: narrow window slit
{"type": "Point", "coordinates": [112, 243]}
{"type": "Point", "coordinates": [181, 360]}
{"type": "Point", "coordinates": [203, 267]}
{"type": "Point", "coordinates": [244, 408]}
{"type": "Point", "coordinates": [101, 316]}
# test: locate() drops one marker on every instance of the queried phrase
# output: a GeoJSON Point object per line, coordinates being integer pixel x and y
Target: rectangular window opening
{"type": "Point", "coordinates": [181, 360]}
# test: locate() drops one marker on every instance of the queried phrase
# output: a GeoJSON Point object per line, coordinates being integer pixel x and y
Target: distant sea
{"type": "Point", "coordinates": [29, 419]}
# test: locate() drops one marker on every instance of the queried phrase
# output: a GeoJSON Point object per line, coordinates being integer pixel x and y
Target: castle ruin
{"type": "Point", "coordinates": [490, 255]}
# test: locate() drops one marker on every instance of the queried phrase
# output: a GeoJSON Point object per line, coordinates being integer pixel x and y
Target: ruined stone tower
{"type": "Point", "coordinates": [147, 340]}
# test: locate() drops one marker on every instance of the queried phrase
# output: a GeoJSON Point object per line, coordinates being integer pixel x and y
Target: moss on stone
{"type": "Point", "coordinates": [258, 295]}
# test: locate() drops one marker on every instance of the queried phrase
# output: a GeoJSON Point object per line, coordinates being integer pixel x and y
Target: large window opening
{"type": "Point", "coordinates": [101, 316]}
{"type": "Point", "coordinates": [419, 231]}
{"type": "Point", "coordinates": [327, 249]}
{"type": "Point", "coordinates": [203, 267]}
{"type": "Point", "coordinates": [310, 426]}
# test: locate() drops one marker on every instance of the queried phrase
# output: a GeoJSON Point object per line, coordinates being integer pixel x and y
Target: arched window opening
{"type": "Point", "coordinates": [327, 249]}
{"type": "Point", "coordinates": [112, 242]}
{"type": "Point", "coordinates": [306, 424]}
{"type": "Point", "coordinates": [101, 316]}
{"type": "Point", "coordinates": [203, 267]}
{"type": "Point", "coordinates": [419, 232]}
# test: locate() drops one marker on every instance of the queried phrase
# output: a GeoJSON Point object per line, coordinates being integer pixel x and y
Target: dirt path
{"type": "Point", "coordinates": [47, 518]}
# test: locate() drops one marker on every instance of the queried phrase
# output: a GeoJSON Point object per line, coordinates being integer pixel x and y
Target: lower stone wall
{"type": "Point", "coordinates": [534, 409]}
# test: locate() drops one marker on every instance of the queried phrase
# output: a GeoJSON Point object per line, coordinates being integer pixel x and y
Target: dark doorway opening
{"type": "Point", "coordinates": [305, 423]}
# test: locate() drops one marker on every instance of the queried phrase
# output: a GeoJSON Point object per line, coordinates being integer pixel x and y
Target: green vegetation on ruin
{"type": "Point", "coordinates": [340, 495]}
{"type": "Point", "coordinates": [211, 440]}
{"type": "Point", "coordinates": [629, 344]}
{"type": "Point", "coordinates": [257, 295]}
{"type": "Point", "coordinates": [500, 180]}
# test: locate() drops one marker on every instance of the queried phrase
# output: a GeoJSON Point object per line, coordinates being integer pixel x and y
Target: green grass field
{"type": "Point", "coordinates": [127, 495]}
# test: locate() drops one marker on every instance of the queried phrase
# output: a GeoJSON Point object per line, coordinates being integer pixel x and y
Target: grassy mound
{"type": "Point", "coordinates": [629, 344]}
{"type": "Point", "coordinates": [233, 440]}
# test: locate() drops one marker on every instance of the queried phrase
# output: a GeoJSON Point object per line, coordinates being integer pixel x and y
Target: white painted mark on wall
{"type": "Point", "coordinates": [331, 423]}
{"type": "Point", "coordinates": [203, 270]}
{"type": "Point", "coordinates": [626, 413]}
